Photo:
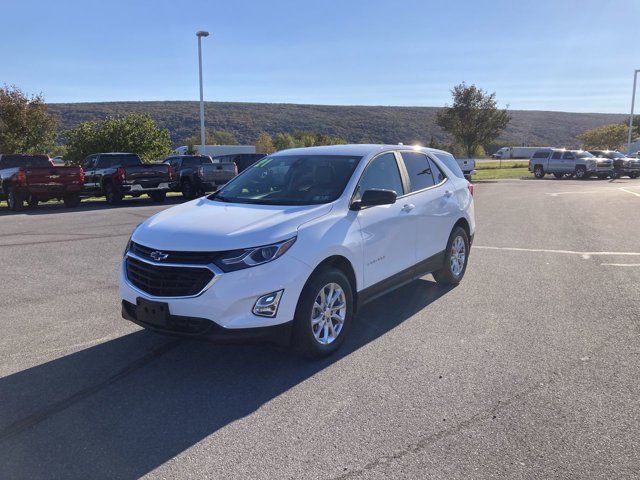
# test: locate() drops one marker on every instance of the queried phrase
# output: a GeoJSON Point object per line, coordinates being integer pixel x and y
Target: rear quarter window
{"type": "Point", "coordinates": [450, 162]}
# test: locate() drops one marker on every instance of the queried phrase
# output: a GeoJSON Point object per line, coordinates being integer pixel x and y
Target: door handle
{"type": "Point", "coordinates": [448, 193]}
{"type": "Point", "coordinates": [408, 207]}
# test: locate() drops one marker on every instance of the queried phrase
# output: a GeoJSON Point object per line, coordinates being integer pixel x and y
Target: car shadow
{"type": "Point", "coordinates": [49, 208]}
{"type": "Point", "coordinates": [126, 406]}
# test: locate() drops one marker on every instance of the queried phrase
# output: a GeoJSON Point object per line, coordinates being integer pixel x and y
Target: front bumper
{"type": "Point", "coordinates": [204, 329]}
{"type": "Point", "coordinates": [228, 300]}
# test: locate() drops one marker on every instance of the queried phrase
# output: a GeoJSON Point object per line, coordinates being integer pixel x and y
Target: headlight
{"type": "Point", "coordinates": [128, 246]}
{"type": "Point", "coordinates": [250, 257]}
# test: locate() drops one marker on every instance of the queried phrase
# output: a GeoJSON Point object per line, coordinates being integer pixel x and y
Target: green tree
{"type": "Point", "coordinates": [264, 144]}
{"type": "Point", "coordinates": [606, 137]}
{"type": "Point", "coordinates": [213, 137]}
{"type": "Point", "coordinates": [283, 141]}
{"type": "Point", "coordinates": [474, 119]}
{"type": "Point", "coordinates": [25, 124]}
{"type": "Point", "coordinates": [136, 133]}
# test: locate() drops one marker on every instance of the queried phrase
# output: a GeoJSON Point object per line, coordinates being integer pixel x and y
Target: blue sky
{"type": "Point", "coordinates": [540, 55]}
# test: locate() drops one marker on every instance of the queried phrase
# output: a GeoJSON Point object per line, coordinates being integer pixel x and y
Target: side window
{"type": "Point", "coordinates": [556, 156]}
{"type": "Point", "coordinates": [381, 173]}
{"type": "Point", "coordinates": [89, 163]}
{"type": "Point", "coordinates": [438, 174]}
{"type": "Point", "coordinates": [450, 162]}
{"type": "Point", "coordinates": [419, 170]}
{"type": "Point", "coordinates": [103, 162]}
{"type": "Point", "coordinates": [568, 156]}
{"type": "Point", "coordinates": [541, 154]}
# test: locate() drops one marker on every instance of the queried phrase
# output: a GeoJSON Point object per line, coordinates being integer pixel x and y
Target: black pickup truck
{"type": "Point", "coordinates": [114, 175]}
{"type": "Point", "coordinates": [198, 174]}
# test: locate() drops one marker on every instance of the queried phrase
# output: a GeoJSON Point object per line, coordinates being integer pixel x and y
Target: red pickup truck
{"type": "Point", "coordinates": [34, 178]}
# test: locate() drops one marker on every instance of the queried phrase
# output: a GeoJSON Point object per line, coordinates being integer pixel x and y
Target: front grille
{"type": "Point", "coordinates": [165, 281]}
{"type": "Point", "coordinates": [195, 258]}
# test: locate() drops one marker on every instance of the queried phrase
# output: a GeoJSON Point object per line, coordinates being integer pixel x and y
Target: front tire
{"type": "Point", "coordinates": [323, 315]}
{"type": "Point", "coordinates": [455, 259]}
{"type": "Point", "coordinates": [581, 173]}
{"type": "Point", "coordinates": [634, 175]}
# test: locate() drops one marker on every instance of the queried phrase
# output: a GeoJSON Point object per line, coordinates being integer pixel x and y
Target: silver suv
{"type": "Point", "coordinates": [561, 162]}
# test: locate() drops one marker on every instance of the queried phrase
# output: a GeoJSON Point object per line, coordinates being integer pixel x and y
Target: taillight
{"type": "Point", "coordinates": [471, 189]}
{"type": "Point", "coordinates": [21, 177]}
{"type": "Point", "coordinates": [81, 175]}
{"type": "Point", "coordinates": [121, 175]}
{"type": "Point", "coordinates": [171, 172]}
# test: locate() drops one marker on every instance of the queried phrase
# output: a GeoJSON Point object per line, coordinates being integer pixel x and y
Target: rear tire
{"type": "Point", "coordinates": [538, 172]}
{"type": "Point", "coordinates": [112, 194]}
{"type": "Point", "coordinates": [581, 173]}
{"type": "Point", "coordinates": [455, 259]}
{"type": "Point", "coordinates": [15, 200]}
{"type": "Point", "coordinates": [187, 190]}
{"type": "Point", "coordinates": [158, 197]}
{"type": "Point", "coordinates": [72, 200]}
{"type": "Point", "coordinates": [634, 175]}
{"type": "Point", "coordinates": [320, 327]}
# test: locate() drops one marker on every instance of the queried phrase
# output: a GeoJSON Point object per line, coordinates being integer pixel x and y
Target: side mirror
{"type": "Point", "coordinates": [373, 197]}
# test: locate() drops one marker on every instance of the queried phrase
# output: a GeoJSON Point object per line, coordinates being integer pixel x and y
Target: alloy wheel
{"type": "Point", "coordinates": [328, 314]}
{"type": "Point", "coordinates": [458, 256]}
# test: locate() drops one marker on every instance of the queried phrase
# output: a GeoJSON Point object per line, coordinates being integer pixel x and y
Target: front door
{"type": "Point", "coordinates": [388, 231]}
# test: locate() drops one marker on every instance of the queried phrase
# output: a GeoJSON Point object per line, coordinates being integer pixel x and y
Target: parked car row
{"type": "Point", "coordinates": [583, 164]}
{"type": "Point", "coordinates": [31, 179]}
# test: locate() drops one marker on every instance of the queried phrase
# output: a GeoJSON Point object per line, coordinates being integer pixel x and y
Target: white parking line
{"type": "Point", "coordinates": [584, 255]}
{"type": "Point", "coordinates": [573, 193]}
{"type": "Point", "coordinates": [621, 264]}
{"type": "Point", "coordinates": [632, 193]}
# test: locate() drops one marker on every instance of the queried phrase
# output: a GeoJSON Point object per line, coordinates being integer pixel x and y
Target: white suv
{"type": "Point", "coordinates": [292, 246]}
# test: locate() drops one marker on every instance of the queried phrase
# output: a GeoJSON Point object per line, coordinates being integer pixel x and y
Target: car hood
{"type": "Point", "coordinates": [207, 225]}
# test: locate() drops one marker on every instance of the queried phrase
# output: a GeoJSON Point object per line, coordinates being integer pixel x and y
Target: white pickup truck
{"type": "Point", "coordinates": [561, 162]}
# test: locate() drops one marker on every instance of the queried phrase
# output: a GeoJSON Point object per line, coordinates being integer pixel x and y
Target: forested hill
{"type": "Point", "coordinates": [354, 123]}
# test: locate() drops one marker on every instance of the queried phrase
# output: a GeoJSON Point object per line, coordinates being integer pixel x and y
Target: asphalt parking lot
{"type": "Point", "coordinates": [528, 369]}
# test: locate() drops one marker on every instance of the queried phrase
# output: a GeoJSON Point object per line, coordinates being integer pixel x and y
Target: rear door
{"type": "Point", "coordinates": [568, 162]}
{"type": "Point", "coordinates": [89, 167]}
{"type": "Point", "coordinates": [388, 231]}
{"type": "Point", "coordinates": [555, 163]}
{"type": "Point", "coordinates": [432, 199]}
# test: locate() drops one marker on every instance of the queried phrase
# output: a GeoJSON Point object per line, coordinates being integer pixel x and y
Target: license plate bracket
{"type": "Point", "coordinates": [152, 313]}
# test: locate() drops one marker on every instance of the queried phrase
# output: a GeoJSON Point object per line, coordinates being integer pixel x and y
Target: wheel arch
{"type": "Point", "coordinates": [343, 264]}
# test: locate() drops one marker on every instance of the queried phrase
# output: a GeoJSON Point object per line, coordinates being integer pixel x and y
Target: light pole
{"type": "Point", "coordinates": [201, 34]}
{"type": "Point", "coordinates": [633, 101]}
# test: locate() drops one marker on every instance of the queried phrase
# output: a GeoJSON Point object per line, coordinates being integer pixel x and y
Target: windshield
{"type": "Point", "coordinates": [584, 155]}
{"type": "Point", "coordinates": [613, 155]}
{"type": "Point", "coordinates": [290, 180]}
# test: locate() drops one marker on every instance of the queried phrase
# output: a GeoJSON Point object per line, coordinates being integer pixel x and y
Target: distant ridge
{"type": "Point", "coordinates": [354, 123]}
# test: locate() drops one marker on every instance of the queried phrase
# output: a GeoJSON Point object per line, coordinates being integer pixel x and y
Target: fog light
{"type": "Point", "coordinates": [267, 305]}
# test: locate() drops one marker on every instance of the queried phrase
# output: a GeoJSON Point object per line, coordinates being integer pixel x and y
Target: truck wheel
{"type": "Point", "coordinates": [634, 175]}
{"type": "Point", "coordinates": [538, 172]}
{"type": "Point", "coordinates": [32, 201]}
{"type": "Point", "coordinates": [323, 315]}
{"type": "Point", "coordinates": [187, 189]}
{"type": "Point", "coordinates": [455, 258]}
{"type": "Point", "coordinates": [158, 197]}
{"type": "Point", "coordinates": [581, 173]}
{"type": "Point", "coordinates": [558, 175]}
{"type": "Point", "coordinates": [71, 200]}
{"type": "Point", "coordinates": [112, 194]}
{"type": "Point", "coordinates": [15, 200]}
